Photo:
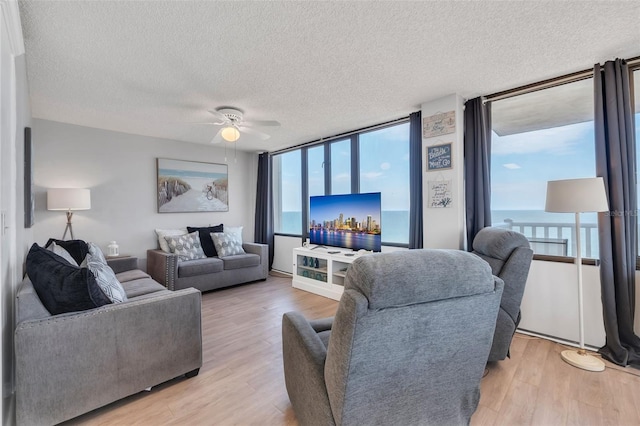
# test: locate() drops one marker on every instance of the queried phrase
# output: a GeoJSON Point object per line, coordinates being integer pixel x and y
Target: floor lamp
{"type": "Point", "coordinates": [576, 196]}
{"type": "Point", "coordinates": [68, 199]}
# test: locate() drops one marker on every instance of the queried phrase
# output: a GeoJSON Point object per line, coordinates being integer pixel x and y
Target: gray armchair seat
{"type": "Point", "coordinates": [408, 344]}
{"type": "Point", "coordinates": [509, 255]}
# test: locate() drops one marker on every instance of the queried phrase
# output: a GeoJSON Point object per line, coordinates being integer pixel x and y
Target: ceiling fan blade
{"type": "Point", "coordinates": [214, 123]}
{"type": "Point", "coordinates": [253, 132]}
{"type": "Point", "coordinates": [218, 115]}
{"type": "Point", "coordinates": [217, 138]}
{"type": "Point", "coordinates": [261, 123]}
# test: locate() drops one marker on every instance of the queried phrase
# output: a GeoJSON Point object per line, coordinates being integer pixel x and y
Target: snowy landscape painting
{"type": "Point", "coordinates": [191, 186]}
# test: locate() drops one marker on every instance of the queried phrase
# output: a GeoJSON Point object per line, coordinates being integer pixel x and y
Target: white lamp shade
{"type": "Point", "coordinates": [576, 196]}
{"type": "Point", "coordinates": [68, 199]}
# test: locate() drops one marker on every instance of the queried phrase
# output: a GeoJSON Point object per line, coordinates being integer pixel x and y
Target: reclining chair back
{"type": "Point", "coordinates": [411, 337]}
{"type": "Point", "coordinates": [509, 255]}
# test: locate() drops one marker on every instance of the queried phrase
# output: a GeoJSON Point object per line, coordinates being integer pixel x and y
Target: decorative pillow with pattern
{"type": "Point", "coordinates": [105, 277]}
{"type": "Point", "coordinates": [187, 247]}
{"type": "Point", "coordinates": [161, 233]}
{"type": "Point", "coordinates": [227, 243]}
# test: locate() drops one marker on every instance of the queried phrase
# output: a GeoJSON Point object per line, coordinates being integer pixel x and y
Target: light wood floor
{"type": "Point", "coordinates": [241, 381]}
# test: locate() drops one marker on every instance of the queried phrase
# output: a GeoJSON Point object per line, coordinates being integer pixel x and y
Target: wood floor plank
{"type": "Point", "coordinates": [241, 381]}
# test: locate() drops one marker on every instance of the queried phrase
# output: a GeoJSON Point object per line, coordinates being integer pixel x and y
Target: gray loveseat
{"type": "Point", "coordinates": [210, 273]}
{"type": "Point", "coordinates": [72, 363]}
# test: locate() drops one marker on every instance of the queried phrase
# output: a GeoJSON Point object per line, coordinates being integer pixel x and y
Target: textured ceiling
{"type": "Point", "coordinates": [319, 68]}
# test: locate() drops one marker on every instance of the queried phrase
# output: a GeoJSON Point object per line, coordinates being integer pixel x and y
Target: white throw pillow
{"type": "Point", "coordinates": [234, 230]}
{"type": "Point", "coordinates": [168, 233]}
{"type": "Point", "coordinates": [187, 247]}
{"type": "Point", "coordinates": [227, 243]}
{"type": "Point", "coordinates": [104, 275]}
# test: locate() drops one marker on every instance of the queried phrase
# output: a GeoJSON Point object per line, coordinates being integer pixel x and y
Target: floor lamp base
{"type": "Point", "coordinates": [583, 360]}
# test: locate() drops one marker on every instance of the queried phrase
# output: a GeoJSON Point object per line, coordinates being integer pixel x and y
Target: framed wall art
{"type": "Point", "coordinates": [439, 124]}
{"type": "Point", "coordinates": [29, 202]}
{"type": "Point", "coordinates": [191, 186]}
{"type": "Point", "coordinates": [439, 157]}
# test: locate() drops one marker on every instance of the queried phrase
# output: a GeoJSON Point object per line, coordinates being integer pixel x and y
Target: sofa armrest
{"type": "Point", "coordinates": [261, 250]}
{"type": "Point", "coordinates": [163, 267]}
{"type": "Point", "coordinates": [123, 264]}
{"type": "Point", "coordinates": [72, 363]}
{"type": "Point", "coordinates": [304, 356]}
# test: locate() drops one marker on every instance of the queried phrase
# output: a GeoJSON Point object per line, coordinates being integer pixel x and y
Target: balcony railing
{"type": "Point", "coordinates": [557, 238]}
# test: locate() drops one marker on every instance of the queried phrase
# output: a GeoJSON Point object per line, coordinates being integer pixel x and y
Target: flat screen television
{"type": "Point", "coordinates": [347, 221]}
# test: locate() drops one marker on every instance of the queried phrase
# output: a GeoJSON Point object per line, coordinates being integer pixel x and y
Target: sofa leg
{"type": "Point", "coordinates": [192, 373]}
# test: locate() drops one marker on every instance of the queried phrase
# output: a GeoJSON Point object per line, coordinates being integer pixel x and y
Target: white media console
{"type": "Point", "coordinates": [322, 270]}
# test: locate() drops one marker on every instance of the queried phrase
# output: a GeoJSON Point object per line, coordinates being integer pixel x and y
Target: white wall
{"type": "Point", "coordinates": [120, 170]}
{"type": "Point", "coordinates": [444, 227]}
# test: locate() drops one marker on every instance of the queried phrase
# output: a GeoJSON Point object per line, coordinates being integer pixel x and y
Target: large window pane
{"type": "Point", "coordinates": [384, 167]}
{"type": "Point", "coordinates": [537, 137]}
{"type": "Point", "coordinates": [287, 193]}
{"type": "Point", "coordinates": [315, 170]}
{"type": "Point", "coordinates": [341, 167]}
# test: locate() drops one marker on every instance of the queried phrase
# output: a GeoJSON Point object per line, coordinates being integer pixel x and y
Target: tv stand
{"type": "Point", "coordinates": [317, 247]}
{"type": "Point", "coordinates": [327, 279]}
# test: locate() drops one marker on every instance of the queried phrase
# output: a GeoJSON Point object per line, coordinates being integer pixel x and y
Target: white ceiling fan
{"type": "Point", "coordinates": [233, 124]}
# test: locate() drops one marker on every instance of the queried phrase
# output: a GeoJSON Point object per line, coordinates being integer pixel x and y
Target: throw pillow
{"type": "Point", "coordinates": [105, 277]}
{"type": "Point", "coordinates": [62, 253]}
{"type": "Point", "coordinates": [187, 247]}
{"type": "Point", "coordinates": [205, 238]}
{"type": "Point", "coordinates": [234, 230]}
{"type": "Point", "coordinates": [161, 233]}
{"type": "Point", "coordinates": [227, 243]}
{"type": "Point", "coordinates": [60, 286]}
{"type": "Point", "coordinates": [78, 249]}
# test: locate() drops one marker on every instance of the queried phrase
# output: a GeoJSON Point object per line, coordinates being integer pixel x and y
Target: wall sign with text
{"type": "Point", "coordinates": [440, 194]}
{"type": "Point", "coordinates": [439, 124]}
{"type": "Point", "coordinates": [439, 157]}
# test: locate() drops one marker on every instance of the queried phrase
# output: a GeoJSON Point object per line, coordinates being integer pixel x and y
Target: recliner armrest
{"type": "Point", "coordinates": [304, 356]}
{"type": "Point", "coordinates": [163, 267]}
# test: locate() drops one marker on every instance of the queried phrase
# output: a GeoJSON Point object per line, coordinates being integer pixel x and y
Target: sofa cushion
{"type": "Point", "coordinates": [198, 267]}
{"type": "Point", "coordinates": [205, 238]}
{"type": "Point", "coordinates": [61, 286]}
{"type": "Point", "coordinates": [240, 261]}
{"type": "Point", "coordinates": [28, 304]}
{"type": "Point", "coordinates": [105, 277]}
{"type": "Point", "coordinates": [161, 233]}
{"type": "Point", "coordinates": [78, 249]}
{"type": "Point", "coordinates": [187, 247]}
{"type": "Point", "coordinates": [137, 288]}
{"type": "Point", "coordinates": [133, 274]}
{"type": "Point", "coordinates": [227, 243]}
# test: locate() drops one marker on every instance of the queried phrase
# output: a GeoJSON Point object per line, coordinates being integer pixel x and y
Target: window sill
{"type": "Point", "coordinates": [565, 259]}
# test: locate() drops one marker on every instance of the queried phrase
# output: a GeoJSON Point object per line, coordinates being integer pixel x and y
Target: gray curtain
{"type": "Point", "coordinates": [415, 178]}
{"type": "Point", "coordinates": [477, 166]}
{"type": "Point", "coordinates": [263, 231]}
{"type": "Point", "coordinates": [615, 162]}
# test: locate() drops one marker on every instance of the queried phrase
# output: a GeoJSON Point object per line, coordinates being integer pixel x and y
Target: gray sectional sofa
{"type": "Point", "coordinates": [210, 273]}
{"type": "Point", "coordinates": [71, 363]}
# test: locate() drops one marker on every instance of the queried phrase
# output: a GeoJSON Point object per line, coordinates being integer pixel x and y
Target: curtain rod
{"type": "Point", "coordinates": [552, 82]}
{"type": "Point", "coordinates": [341, 135]}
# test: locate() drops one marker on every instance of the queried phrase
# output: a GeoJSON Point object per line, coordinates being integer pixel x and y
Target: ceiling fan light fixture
{"type": "Point", "coordinates": [230, 134]}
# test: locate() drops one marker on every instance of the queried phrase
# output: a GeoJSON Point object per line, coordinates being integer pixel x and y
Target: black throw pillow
{"type": "Point", "coordinates": [78, 249]}
{"type": "Point", "coordinates": [205, 238]}
{"type": "Point", "coordinates": [61, 286]}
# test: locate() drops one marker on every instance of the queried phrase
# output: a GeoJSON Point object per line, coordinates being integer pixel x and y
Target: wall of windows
{"type": "Point", "coordinates": [537, 137]}
{"type": "Point", "coordinates": [372, 161]}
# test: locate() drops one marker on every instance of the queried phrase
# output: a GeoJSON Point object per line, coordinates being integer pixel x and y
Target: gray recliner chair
{"type": "Point", "coordinates": [408, 344]}
{"type": "Point", "coordinates": [509, 255]}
